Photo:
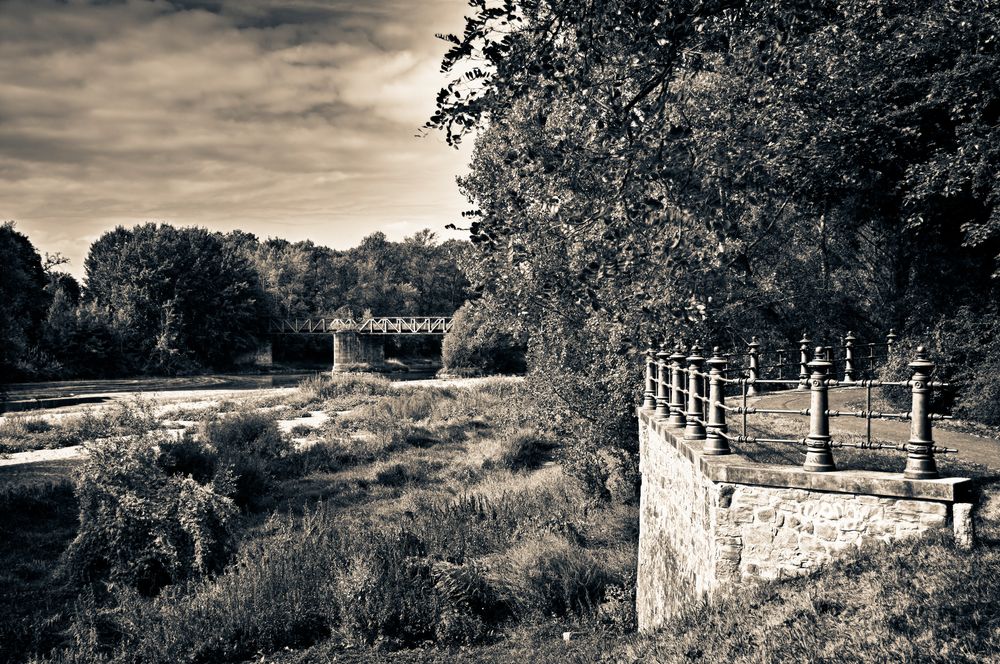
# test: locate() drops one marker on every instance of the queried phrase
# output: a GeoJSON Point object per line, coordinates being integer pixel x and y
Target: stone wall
{"type": "Point", "coordinates": [709, 521]}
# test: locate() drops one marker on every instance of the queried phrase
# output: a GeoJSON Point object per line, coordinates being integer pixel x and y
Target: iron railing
{"type": "Point", "coordinates": [380, 326]}
{"type": "Point", "coordinates": [702, 409]}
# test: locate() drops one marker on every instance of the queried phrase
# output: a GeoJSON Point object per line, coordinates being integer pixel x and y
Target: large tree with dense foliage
{"type": "Point", "coordinates": [23, 301]}
{"type": "Point", "coordinates": [178, 297]}
{"type": "Point", "coordinates": [654, 168]}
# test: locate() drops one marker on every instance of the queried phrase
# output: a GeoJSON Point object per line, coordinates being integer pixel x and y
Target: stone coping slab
{"type": "Point", "coordinates": [738, 469]}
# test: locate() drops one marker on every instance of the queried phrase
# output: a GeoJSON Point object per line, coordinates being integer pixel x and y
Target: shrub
{"type": "Point", "coordinates": [522, 449]}
{"type": "Point", "coordinates": [301, 430]}
{"type": "Point", "coordinates": [22, 432]}
{"type": "Point", "coordinates": [187, 457]}
{"type": "Point", "coordinates": [142, 527]}
{"type": "Point", "coordinates": [246, 434]}
{"type": "Point", "coordinates": [392, 475]}
{"type": "Point", "coordinates": [478, 344]}
{"type": "Point", "coordinates": [126, 417]}
{"type": "Point", "coordinates": [551, 576]}
{"type": "Point", "coordinates": [608, 473]}
{"type": "Point", "coordinates": [25, 424]}
{"type": "Point", "coordinates": [324, 387]}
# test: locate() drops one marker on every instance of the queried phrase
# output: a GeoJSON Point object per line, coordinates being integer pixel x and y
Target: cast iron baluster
{"type": "Point", "coordinates": [890, 341]}
{"type": "Point", "coordinates": [649, 395]}
{"type": "Point", "coordinates": [677, 418]}
{"type": "Point", "coordinates": [920, 464]}
{"type": "Point", "coordinates": [819, 458]}
{"type": "Point", "coordinates": [754, 371]}
{"type": "Point", "coordinates": [662, 407]}
{"type": "Point", "coordinates": [695, 429]}
{"type": "Point", "coordinates": [804, 363]}
{"type": "Point", "coordinates": [715, 442]}
{"type": "Point", "coordinates": [849, 374]}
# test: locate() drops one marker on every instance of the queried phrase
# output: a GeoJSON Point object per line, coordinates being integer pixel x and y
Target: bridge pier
{"type": "Point", "coordinates": [357, 352]}
{"type": "Point", "coordinates": [265, 354]}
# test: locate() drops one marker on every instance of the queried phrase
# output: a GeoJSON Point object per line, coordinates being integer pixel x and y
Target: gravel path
{"type": "Point", "coordinates": [977, 449]}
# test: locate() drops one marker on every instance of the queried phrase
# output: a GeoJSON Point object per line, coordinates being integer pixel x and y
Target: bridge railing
{"type": "Point", "coordinates": [852, 358]}
{"type": "Point", "coordinates": [375, 325]}
{"type": "Point", "coordinates": [680, 391]}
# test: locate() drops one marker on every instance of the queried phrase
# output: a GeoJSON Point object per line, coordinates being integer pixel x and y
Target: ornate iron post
{"type": "Point", "coordinates": [920, 464]}
{"type": "Point", "coordinates": [849, 372]}
{"type": "Point", "coordinates": [649, 395]}
{"type": "Point", "coordinates": [819, 458]}
{"type": "Point", "coordinates": [662, 408]}
{"type": "Point", "coordinates": [754, 370]}
{"type": "Point", "coordinates": [677, 418]}
{"type": "Point", "coordinates": [695, 430]}
{"type": "Point", "coordinates": [715, 443]}
{"type": "Point", "coordinates": [890, 341]}
{"type": "Point", "coordinates": [804, 363]}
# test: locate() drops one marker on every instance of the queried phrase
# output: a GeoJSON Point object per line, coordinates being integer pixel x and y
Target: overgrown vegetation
{"type": "Point", "coordinates": [28, 431]}
{"type": "Point", "coordinates": [425, 515]}
{"type": "Point", "coordinates": [427, 524]}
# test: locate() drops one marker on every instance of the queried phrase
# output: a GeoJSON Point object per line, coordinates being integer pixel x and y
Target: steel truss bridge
{"type": "Point", "coordinates": [385, 325]}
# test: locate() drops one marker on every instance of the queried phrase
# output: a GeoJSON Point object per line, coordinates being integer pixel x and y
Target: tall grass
{"type": "Point", "coordinates": [339, 391]}
{"type": "Point", "coordinates": [442, 574]}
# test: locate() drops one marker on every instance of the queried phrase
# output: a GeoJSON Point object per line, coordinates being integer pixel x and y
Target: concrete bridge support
{"type": "Point", "coordinates": [357, 352]}
{"type": "Point", "coordinates": [265, 354]}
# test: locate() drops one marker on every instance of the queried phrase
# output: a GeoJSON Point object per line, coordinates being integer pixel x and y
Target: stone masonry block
{"type": "Point", "coordinates": [920, 507]}
{"type": "Point", "coordinates": [963, 525]}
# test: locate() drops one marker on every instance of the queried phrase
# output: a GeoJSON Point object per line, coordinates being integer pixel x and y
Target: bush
{"type": "Point", "coordinates": [142, 527]}
{"type": "Point", "coordinates": [479, 344]}
{"type": "Point", "coordinates": [126, 417]}
{"type": "Point", "coordinates": [523, 449]}
{"type": "Point", "coordinates": [552, 576]}
{"type": "Point", "coordinates": [22, 432]}
{"type": "Point", "coordinates": [351, 387]}
{"type": "Point", "coordinates": [965, 349]}
{"type": "Point", "coordinates": [253, 449]}
{"type": "Point", "coordinates": [609, 473]}
{"type": "Point", "coordinates": [187, 457]}
{"type": "Point", "coordinates": [247, 434]}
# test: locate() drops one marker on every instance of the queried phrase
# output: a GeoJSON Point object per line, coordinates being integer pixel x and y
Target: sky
{"type": "Point", "coordinates": [284, 118]}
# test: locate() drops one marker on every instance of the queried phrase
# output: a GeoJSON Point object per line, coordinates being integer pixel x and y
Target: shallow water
{"type": "Point", "coordinates": [87, 391]}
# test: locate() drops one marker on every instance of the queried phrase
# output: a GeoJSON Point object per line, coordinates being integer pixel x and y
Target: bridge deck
{"type": "Point", "coordinates": [383, 325]}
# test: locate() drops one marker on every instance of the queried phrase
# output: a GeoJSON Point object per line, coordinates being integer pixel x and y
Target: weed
{"type": "Point", "coordinates": [301, 430]}
{"type": "Point", "coordinates": [141, 526]}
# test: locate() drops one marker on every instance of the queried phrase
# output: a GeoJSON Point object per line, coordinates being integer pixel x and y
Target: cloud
{"type": "Point", "coordinates": [283, 117]}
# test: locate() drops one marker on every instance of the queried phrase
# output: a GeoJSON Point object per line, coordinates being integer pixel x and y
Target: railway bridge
{"type": "Point", "coordinates": [357, 343]}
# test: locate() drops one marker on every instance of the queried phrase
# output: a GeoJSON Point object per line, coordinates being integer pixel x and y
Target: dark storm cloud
{"type": "Point", "coordinates": [281, 117]}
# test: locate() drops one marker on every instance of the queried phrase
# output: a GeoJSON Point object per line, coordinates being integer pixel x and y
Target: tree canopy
{"type": "Point", "coordinates": [655, 168]}
{"type": "Point", "coordinates": [168, 300]}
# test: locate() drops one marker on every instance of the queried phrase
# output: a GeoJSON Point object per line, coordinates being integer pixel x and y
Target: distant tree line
{"type": "Point", "coordinates": [165, 300]}
{"type": "Point", "coordinates": [652, 170]}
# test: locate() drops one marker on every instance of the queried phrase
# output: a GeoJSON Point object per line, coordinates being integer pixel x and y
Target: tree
{"type": "Point", "coordinates": [668, 168]}
{"type": "Point", "coordinates": [211, 292]}
{"type": "Point", "coordinates": [24, 301]}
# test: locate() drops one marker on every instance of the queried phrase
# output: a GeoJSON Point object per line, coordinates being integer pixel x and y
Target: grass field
{"type": "Point", "coordinates": [416, 524]}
